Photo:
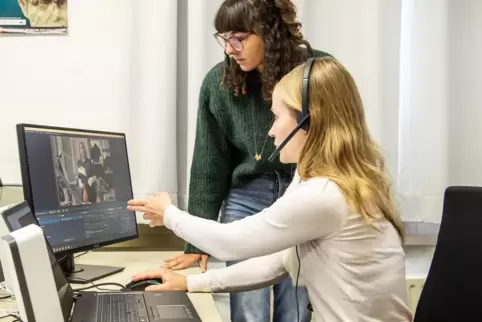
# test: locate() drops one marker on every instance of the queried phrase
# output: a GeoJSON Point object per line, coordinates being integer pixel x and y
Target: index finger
{"type": "Point", "coordinates": [147, 275]}
{"type": "Point", "coordinates": [137, 208]}
{"type": "Point", "coordinates": [134, 202]}
{"type": "Point", "coordinates": [171, 259]}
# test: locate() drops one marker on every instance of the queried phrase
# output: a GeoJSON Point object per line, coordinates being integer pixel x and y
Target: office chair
{"type": "Point", "coordinates": [453, 288]}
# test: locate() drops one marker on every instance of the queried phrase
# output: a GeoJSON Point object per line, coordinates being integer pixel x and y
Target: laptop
{"type": "Point", "coordinates": [115, 306]}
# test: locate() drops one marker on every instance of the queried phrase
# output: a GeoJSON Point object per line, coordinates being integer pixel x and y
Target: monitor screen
{"type": "Point", "coordinates": [21, 216]}
{"type": "Point", "coordinates": [77, 183]}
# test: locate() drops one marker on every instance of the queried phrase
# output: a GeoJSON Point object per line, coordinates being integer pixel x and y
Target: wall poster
{"type": "Point", "coordinates": [33, 17]}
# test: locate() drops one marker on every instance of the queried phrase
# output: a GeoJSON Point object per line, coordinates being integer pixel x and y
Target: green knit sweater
{"type": "Point", "coordinates": [230, 131]}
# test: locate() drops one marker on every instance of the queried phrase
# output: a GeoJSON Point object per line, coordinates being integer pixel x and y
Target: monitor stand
{"type": "Point", "coordinates": [85, 274]}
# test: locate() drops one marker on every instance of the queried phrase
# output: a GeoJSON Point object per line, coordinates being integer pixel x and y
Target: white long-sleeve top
{"type": "Point", "coordinates": [353, 272]}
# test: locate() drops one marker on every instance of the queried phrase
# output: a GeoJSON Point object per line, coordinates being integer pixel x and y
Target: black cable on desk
{"type": "Point", "coordinates": [81, 254]}
{"type": "Point", "coordinates": [100, 284]}
{"type": "Point", "coordinates": [11, 315]}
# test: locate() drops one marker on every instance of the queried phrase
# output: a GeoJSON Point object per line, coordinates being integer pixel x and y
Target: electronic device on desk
{"type": "Point", "coordinates": [77, 183]}
{"type": "Point", "coordinates": [4, 230]}
{"type": "Point", "coordinates": [127, 306]}
{"type": "Point", "coordinates": [28, 273]}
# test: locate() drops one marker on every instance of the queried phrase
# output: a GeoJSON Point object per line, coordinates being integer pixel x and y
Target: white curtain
{"type": "Point", "coordinates": [364, 35]}
{"type": "Point", "coordinates": [416, 63]}
{"type": "Point", "coordinates": [151, 120]}
{"type": "Point", "coordinates": [200, 53]}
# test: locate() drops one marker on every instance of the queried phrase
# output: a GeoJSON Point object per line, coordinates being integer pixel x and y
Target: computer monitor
{"type": "Point", "coordinates": [20, 216]}
{"type": "Point", "coordinates": [77, 183]}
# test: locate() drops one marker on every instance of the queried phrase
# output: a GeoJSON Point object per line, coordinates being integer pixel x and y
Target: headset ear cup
{"type": "Point", "coordinates": [304, 120]}
{"type": "Point", "coordinates": [299, 117]}
{"type": "Point", "coordinates": [306, 125]}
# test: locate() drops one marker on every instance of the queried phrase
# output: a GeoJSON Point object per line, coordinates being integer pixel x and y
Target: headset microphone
{"type": "Point", "coordinates": [304, 115]}
{"type": "Point", "coordinates": [288, 138]}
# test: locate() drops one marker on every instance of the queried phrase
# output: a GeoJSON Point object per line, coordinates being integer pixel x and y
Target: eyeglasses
{"type": "Point", "coordinates": [235, 42]}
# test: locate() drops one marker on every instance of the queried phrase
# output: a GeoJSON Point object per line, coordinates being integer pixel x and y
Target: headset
{"type": "Point", "coordinates": [304, 115]}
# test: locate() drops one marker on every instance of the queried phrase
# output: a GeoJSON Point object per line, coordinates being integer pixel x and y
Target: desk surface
{"type": "Point", "coordinates": [135, 262]}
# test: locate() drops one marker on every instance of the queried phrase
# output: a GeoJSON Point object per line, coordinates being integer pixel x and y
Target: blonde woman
{"type": "Point", "coordinates": [336, 225]}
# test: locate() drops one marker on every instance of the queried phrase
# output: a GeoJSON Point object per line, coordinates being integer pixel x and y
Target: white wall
{"type": "Point", "coordinates": [82, 80]}
{"type": "Point", "coordinates": [115, 71]}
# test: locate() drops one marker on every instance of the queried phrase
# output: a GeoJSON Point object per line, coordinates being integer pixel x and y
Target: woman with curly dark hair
{"type": "Point", "coordinates": [230, 172]}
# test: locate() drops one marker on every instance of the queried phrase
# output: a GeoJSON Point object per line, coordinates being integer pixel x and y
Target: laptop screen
{"type": "Point", "coordinates": [21, 216]}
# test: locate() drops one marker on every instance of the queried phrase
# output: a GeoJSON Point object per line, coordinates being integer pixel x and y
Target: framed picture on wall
{"type": "Point", "coordinates": [33, 17]}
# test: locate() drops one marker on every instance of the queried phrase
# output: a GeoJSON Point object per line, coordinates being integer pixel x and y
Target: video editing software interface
{"type": "Point", "coordinates": [80, 183]}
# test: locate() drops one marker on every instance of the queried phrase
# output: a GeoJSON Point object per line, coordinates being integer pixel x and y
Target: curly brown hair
{"type": "Point", "coordinates": [275, 22]}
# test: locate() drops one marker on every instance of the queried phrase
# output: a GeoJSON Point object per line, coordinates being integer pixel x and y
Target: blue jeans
{"type": "Point", "coordinates": [254, 306]}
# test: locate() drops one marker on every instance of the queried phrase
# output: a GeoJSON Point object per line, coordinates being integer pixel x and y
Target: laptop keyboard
{"type": "Point", "coordinates": [121, 308]}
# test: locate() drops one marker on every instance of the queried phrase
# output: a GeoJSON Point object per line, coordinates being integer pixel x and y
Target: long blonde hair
{"type": "Point", "coordinates": [338, 145]}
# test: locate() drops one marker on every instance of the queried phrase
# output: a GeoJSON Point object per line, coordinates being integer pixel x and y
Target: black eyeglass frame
{"type": "Point", "coordinates": [234, 41]}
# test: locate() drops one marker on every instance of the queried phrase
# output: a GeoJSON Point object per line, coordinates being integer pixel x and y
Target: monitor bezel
{"type": "Point", "coordinates": [27, 188]}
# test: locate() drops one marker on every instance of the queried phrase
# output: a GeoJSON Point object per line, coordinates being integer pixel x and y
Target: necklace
{"type": "Point", "coordinates": [257, 156]}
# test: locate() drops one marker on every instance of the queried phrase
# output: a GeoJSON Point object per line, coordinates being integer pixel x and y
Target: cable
{"type": "Point", "coordinates": [62, 259]}
{"type": "Point", "coordinates": [280, 192]}
{"type": "Point", "coordinates": [12, 315]}
{"type": "Point", "coordinates": [81, 254]}
{"type": "Point", "coordinates": [296, 286]}
{"type": "Point", "coordinates": [100, 284]}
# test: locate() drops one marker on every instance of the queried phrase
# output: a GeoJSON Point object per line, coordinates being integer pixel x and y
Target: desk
{"type": "Point", "coordinates": [135, 262]}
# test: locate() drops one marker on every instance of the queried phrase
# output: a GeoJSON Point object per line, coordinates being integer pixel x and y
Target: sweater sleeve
{"type": "Point", "coordinates": [307, 211]}
{"type": "Point", "coordinates": [210, 171]}
{"type": "Point", "coordinates": [252, 274]}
